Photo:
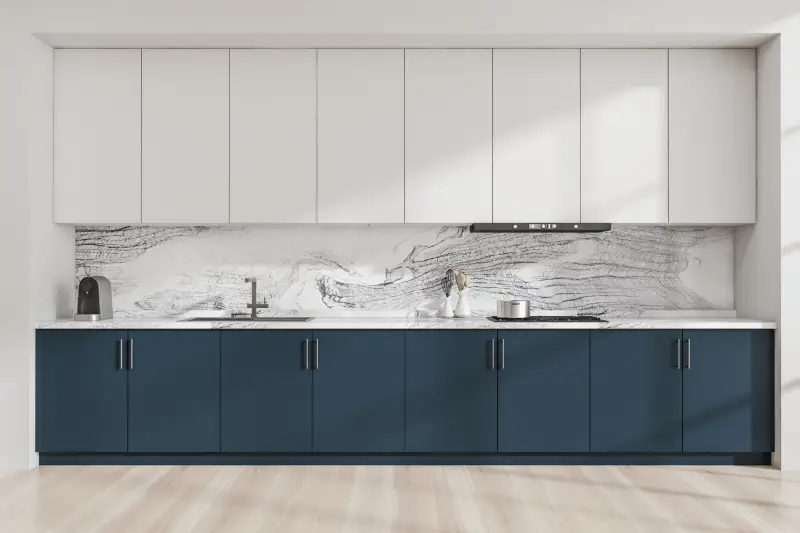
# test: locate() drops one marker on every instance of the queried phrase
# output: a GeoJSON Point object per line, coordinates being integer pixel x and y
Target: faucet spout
{"type": "Point", "coordinates": [253, 304]}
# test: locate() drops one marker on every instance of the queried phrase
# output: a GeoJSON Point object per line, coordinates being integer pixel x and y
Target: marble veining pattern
{"type": "Point", "coordinates": [395, 270]}
{"type": "Point", "coordinates": [414, 323]}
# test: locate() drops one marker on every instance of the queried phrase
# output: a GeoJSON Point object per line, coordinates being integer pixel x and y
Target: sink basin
{"type": "Point", "coordinates": [250, 319]}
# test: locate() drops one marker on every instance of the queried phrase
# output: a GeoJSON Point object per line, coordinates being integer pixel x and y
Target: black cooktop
{"type": "Point", "coordinates": [552, 318]}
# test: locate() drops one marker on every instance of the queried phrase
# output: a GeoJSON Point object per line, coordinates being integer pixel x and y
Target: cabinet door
{"type": "Point", "coordinates": [359, 391]}
{"type": "Point", "coordinates": [273, 136]}
{"type": "Point", "coordinates": [537, 136]}
{"type": "Point", "coordinates": [448, 136]}
{"type": "Point", "coordinates": [266, 391]}
{"type": "Point", "coordinates": [728, 391]}
{"type": "Point", "coordinates": [97, 143]}
{"type": "Point", "coordinates": [173, 400]}
{"type": "Point", "coordinates": [81, 392]}
{"type": "Point", "coordinates": [543, 391]}
{"type": "Point", "coordinates": [185, 136]}
{"type": "Point", "coordinates": [624, 125]}
{"type": "Point", "coordinates": [451, 392]}
{"type": "Point", "coordinates": [712, 136]}
{"type": "Point", "coordinates": [636, 391]}
{"type": "Point", "coordinates": [361, 158]}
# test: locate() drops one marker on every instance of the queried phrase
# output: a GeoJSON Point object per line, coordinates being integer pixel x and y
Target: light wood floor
{"type": "Point", "coordinates": [399, 499]}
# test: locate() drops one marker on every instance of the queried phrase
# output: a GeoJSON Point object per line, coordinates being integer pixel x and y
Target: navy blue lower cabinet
{"type": "Point", "coordinates": [174, 392]}
{"type": "Point", "coordinates": [405, 397]}
{"type": "Point", "coordinates": [359, 391]}
{"type": "Point", "coordinates": [451, 392]}
{"type": "Point", "coordinates": [543, 391]}
{"type": "Point", "coordinates": [728, 398]}
{"type": "Point", "coordinates": [266, 392]}
{"type": "Point", "coordinates": [636, 391]}
{"type": "Point", "coordinates": [81, 392]}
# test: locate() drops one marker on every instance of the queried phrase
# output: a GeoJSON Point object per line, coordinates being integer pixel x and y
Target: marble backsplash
{"type": "Point", "coordinates": [396, 270]}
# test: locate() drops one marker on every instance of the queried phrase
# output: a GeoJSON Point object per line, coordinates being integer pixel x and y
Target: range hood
{"type": "Point", "coordinates": [539, 227]}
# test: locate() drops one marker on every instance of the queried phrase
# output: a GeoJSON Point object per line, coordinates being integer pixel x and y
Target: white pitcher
{"type": "Point", "coordinates": [462, 308]}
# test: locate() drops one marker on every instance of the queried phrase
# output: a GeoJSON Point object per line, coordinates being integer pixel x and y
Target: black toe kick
{"type": "Point", "coordinates": [405, 459]}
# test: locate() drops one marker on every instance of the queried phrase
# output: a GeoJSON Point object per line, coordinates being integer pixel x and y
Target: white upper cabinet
{"type": "Point", "coordinates": [624, 128]}
{"type": "Point", "coordinates": [448, 136]}
{"type": "Point", "coordinates": [185, 136]}
{"type": "Point", "coordinates": [537, 136]}
{"type": "Point", "coordinates": [432, 136]}
{"type": "Point", "coordinates": [97, 136]}
{"type": "Point", "coordinates": [712, 136]}
{"type": "Point", "coordinates": [273, 136]}
{"type": "Point", "coordinates": [360, 136]}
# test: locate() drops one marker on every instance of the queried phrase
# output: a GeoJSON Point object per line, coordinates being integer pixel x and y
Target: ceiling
{"type": "Point", "coordinates": [423, 23]}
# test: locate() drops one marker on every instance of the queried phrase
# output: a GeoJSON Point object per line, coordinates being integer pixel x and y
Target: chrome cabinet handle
{"type": "Point", "coordinates": [121, 355]}
{"type": "Point", "coordinates": [130, 354]}
{"type": "Point", "coordinates": [688, 354]}
{"type": "Point", "coordinates": [316, 354]}
{"type": "Point", "coordinates": [680, 354]}
{"type": "Point", "coordinates": [502, 354]}
{"type": "Point", "coordinates": [307, 365]}
{"type": "Point", "coordinates": [494, 354]}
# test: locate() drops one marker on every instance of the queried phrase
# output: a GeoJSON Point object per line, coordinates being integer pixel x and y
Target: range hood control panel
{"type": "Point", "coordinates": [551, 226]}
{"type": "Point", "coordinates": [539, 227]}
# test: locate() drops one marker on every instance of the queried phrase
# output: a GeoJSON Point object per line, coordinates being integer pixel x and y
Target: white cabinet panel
{"type": "Point", "coordinates": [185, 136]}
{"type": "Point", "coordinates": [624, 125]}
{"type": "Point", "coordinates": [448, 136]}
{"type": "Point", "coordinates": [97, 136]}
{"type": "Point", "coordinates": [537, 136]}
{"type": "Point", "coordinates": [273, 136]}
{"type": "Point", "coordinates": [712, 137]}
{"type": "Point", "coordinates": [361, 160]}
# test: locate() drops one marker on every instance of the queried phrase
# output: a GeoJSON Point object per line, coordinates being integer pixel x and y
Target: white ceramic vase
{"type": "Point", "coordinates": [462, 308]}
{"type": "Point", "coordinates": [447, 312]}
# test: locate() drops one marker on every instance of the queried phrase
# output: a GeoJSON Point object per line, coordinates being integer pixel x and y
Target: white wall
{"type": "Point", "coordinates": [16, 336]}
{"type": "Point", "coordinates": [37, 264]}
{"type": "Point", "coordinates": [52, 247]}
{"type": "Point", "coordinates": [758, 248]}
{"type": "Point", "coordinates": [768, 255]}
{"type": "Point", "coordinates": [53, 252]}
{"type": "Point", "coordinates": [789, 457]}
{"type": "Point", "coordinates": [32, 276]}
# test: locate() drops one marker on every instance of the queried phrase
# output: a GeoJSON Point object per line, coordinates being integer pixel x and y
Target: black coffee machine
{"type": "Point", "coordinates": [94, 299]}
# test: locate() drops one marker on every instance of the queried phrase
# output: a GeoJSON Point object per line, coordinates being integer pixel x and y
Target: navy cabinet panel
{"type": "Point", "coordinates": [451, 392]}
{"type": "Point", "coordinates": [174, 396]}
{"type": "Point", "coordinates": [266, 392]}
{"type": "Point", "coordinates": [543, 391]}
{"type": "Point", "coordinates": [728, 391]}
{"type": "Point", "coordinates": [81, 392]}
{"type": "Point", "coordinates": [636, 391]}
{"type": "Point", "coordinates": [359, 391]}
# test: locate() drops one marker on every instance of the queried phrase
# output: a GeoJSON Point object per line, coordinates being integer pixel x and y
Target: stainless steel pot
{"type": "Point", "coordinates": [513, 309]}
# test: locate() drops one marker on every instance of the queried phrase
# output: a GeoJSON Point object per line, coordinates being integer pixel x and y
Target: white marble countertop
{"type": "Point", "coordinates": [413, 323]}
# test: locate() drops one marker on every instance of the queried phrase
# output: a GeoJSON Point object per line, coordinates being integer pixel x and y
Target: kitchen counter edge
{"type": "Point", "coordinates": [412, 323]}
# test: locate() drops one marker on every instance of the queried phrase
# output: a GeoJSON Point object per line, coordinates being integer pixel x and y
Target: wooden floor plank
{"type": "Point", "coordinates": [400, 499]}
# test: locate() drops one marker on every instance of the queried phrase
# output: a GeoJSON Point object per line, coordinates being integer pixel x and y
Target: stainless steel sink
{"type": "Point", "coordinates": [250, 319]}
